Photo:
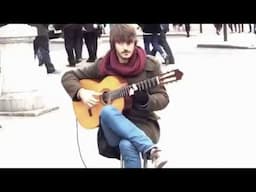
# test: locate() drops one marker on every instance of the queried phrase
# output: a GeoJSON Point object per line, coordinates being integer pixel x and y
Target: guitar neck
{"type": "Point", "coordinates": [130, 89]}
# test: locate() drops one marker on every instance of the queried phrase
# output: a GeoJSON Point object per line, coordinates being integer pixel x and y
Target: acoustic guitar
{"type": "Point", "coordinates": [114, 89]}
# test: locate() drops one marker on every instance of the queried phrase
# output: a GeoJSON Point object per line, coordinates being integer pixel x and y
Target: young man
{"type": "Point", "coordinates": [135, 131]}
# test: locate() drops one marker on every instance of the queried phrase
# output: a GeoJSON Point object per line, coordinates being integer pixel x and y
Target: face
{"type": "Point", "coordinates": [124, 51]}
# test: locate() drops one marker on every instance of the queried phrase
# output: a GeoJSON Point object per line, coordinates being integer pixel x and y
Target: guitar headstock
{"type": "Point", "coordinates": [170, 76]}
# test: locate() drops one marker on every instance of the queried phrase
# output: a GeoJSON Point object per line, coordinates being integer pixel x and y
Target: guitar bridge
{"type": "Point", "coordinates": [90, 112]}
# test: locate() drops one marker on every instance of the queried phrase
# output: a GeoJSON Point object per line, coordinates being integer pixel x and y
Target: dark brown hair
{"type": "Point", "coordinates": [122, 33]}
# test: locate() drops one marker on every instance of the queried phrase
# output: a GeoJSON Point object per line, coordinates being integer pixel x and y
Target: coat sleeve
{"type": "Point", "coordinates": [71, 79]}
{"type": "Point", "coordinates": [158, 98]}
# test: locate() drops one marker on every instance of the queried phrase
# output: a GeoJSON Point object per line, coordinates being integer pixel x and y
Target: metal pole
{"type": "Point", "coordinates": [225, 32]}
{"type": "Point", "coordinates": [1, 75]}
{"type": "Point", "coordinates": [201, 28]}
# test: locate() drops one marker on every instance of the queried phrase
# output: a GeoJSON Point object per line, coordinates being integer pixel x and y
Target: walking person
{"type": "Point", "coordinates": [41, 47]}
{"type": "Point", "coordinates": [163, 42]}
{"type": "Point", "coordinates": [151, 35]}
{"type": "Point", "coordinates": [91, 34]}
{"type": "Point", "coordinates": [218, 28]}
{"type": "Point", "coordinates": [73, 40]}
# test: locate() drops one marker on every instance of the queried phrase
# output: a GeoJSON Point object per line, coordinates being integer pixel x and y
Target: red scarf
{"type": "Point", "coordinates": [111, 66]}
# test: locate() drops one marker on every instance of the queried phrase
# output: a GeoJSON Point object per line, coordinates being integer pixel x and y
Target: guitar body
{"type": "Point", "coordinates": [113, 90]}
{"type": "Point", "coordinates": [89, 117]}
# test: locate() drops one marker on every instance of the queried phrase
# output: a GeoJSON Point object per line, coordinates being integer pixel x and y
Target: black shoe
{"type": "Point", "coordinates": [90, 60]}
{"type": "Point", "coordinates": [71, 64]}
{"type": "Point", "coordinates": [51, 70]}
{"type": "Point", "coordinates": [79, 60]}
{"type": "Point", "coordinates": [55, 72]}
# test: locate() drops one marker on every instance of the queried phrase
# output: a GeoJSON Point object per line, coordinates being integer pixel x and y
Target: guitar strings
{"type": "Point", "coordinates": [79, 148]}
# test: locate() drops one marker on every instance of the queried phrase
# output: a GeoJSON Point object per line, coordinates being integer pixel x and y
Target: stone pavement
{"type": "Point", "coordinates": [209, 122]}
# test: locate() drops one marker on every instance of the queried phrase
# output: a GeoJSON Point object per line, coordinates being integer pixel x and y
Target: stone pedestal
{"type": "Point", "coordinates": [20, 78]}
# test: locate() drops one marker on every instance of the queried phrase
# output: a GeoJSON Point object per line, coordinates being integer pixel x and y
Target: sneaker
{"type": "Point", "coordinates": [157, 161]}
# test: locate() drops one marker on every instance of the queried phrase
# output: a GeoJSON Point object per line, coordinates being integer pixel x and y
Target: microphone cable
{"type": "Point", "coordinates": [79, 148]}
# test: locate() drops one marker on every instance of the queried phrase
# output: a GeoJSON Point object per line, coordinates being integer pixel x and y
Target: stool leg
{"type": "Point", "coordinates": [145, 162]}
{"type": "Point", "coordinates": [121, 161]}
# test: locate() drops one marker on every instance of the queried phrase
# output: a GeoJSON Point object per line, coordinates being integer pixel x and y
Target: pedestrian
{"type": "Point", "coordinates": [163, 42]}
{"type": "Point", "coordinates": [91, 34]}
{"type": "Point", "coordinates": [218, 28]}
{"type": "Point", "coordinates": [73, 41]}
{"type": "Point", "coordinates": [41, 47]}
{"type": "Point", "coordinates": [187, 29]}
{"type": "Point", "coordinates": [151, 36]}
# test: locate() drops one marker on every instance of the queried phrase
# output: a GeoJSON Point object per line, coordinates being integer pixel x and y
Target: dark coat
{"type": "Point", "coordinates": [145, 119]}
{"type": "Point", "coordinates": [165, 28]}
{"type": "Point", "coordinates": [67, 26]}
{"type": "Point", "coordinates": [90, 27]}
{"type": "Point", "coordinates": [93, 28]}
{"type": "Point", "coordinates": [58, 26]}
{"type": "Point", "coordinates": [42, 29]}
{"type": "Point", "coordinates": [42, 38]}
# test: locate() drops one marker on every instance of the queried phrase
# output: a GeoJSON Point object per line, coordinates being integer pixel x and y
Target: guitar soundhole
{"type": "Point", "coordinates": [105, 98]}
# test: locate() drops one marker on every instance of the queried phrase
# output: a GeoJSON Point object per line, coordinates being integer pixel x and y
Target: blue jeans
{"type": "Point", "coordinates": [154, 40]}
{"type": "Point", "coordinates": [43, 56]}
{"type": "Point", "coordinates": [120, 131]}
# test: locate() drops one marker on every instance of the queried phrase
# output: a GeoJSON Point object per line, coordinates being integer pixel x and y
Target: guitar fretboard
{"type": "Point", "coordinates": [139, 86]}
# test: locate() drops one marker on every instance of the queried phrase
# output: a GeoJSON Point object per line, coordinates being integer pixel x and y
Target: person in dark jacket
{"type": "Point", "coordinates": [135, 130]}
{"type": "Point", "coordinates": [91, 33]}
{"type": "Point", "coordinates": [218, 28]}
{"type": "Point", "coordinates": [151, 35]}
{"type": "Point", "coordinates": [73, 40]}
{"type": "Point", "coordinates": [41, 47]}
{"type": "Point", "coordinates": [163, 42]}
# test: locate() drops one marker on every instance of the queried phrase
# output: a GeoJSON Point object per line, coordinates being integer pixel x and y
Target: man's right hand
{"type": "Point", "coordinates": [89, 97]}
